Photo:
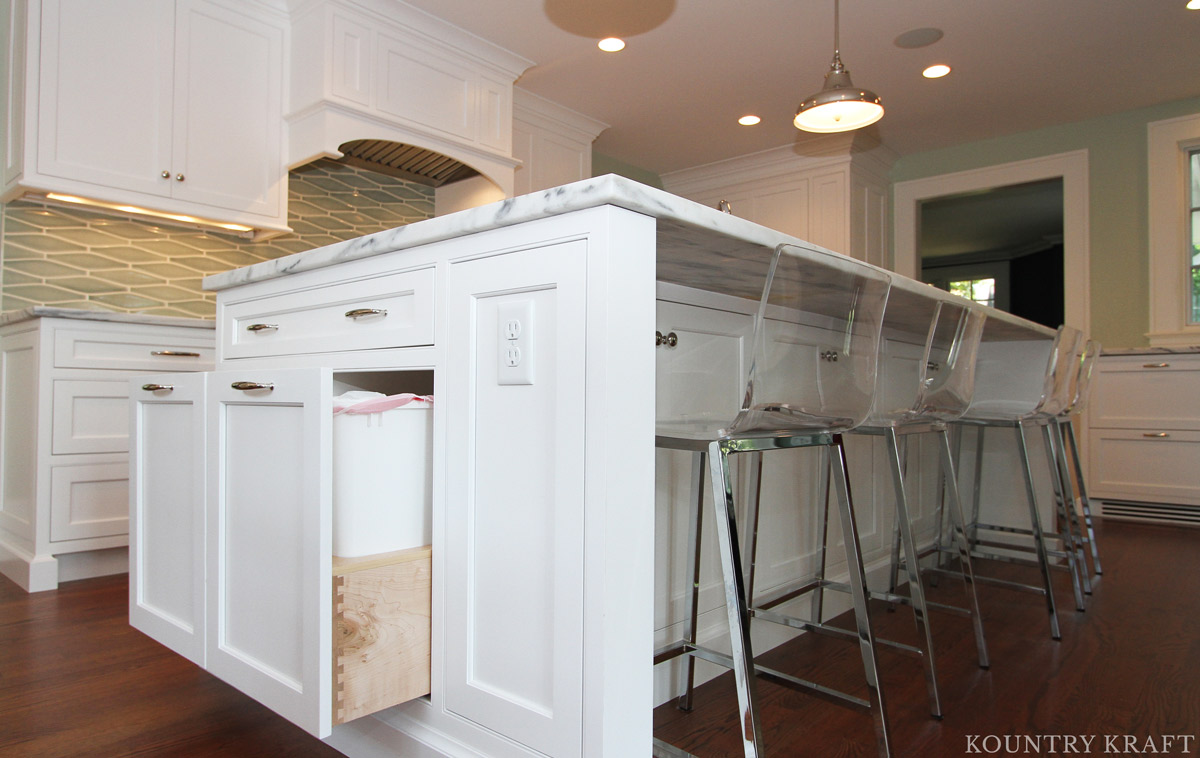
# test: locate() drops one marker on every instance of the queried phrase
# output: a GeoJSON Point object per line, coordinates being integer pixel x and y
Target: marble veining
{"type": "Point", "coordinates": [697, 246]}
{"type": "Point", "coordinates": [47, 311]}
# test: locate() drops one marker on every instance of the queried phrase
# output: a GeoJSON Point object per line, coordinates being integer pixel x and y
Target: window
{"type": "Point", "coordinates": [1174, 189]}
{"type": "Point", "coordinates": [1194, 163]}
{"type": "Point", "coordinates": [982, 291]}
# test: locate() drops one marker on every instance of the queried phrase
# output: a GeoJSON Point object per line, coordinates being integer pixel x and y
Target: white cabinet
{"type": "Point", "coordinates": [171, 106]}
{"type": "Point", "coordinates": [1144, 437]}
{"type": "Point", "coordinates": [64, 437]}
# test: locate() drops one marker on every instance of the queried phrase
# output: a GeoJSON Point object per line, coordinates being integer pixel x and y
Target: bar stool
{"type": "Point", "coordinates": [812, 377]}
{"type": "Point", "coordinates": [1022, 414]}
{"type": "Point", "coordinates": [945, 378]}
{"type": "Point", "coordinates": [1072, 473]}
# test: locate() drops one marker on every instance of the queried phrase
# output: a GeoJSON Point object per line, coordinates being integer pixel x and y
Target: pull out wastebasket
{"type": "Point", "coordinates": [381, 472]}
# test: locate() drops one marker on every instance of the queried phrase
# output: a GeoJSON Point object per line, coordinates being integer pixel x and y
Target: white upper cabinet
{"type": "Point", "coordinates": [171, 106]}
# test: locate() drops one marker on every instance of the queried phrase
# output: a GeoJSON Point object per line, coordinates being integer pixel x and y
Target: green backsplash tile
{"type": "Point", "coordinates": [87, 285]}
{"type": "Point", "coordinates": [41, 293]}
{"type": "Point", "coordinates": [44, 268]}
{"type": "Point", "coordinates": [94, 260]}
{"type": "Point", "coordinates": [85, 237]}
{"type": "Point", "coordinates": [128, 277]}
{"type": "Point", "coordinates": [86, 261]}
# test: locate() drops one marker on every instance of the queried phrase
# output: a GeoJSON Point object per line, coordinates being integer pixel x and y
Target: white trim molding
{"type": "Point", "coordinates": [1168, 143]}
{"type": "Point", "coordinates": [1072, 167]}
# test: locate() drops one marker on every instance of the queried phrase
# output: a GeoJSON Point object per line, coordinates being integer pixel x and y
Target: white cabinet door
{"type": "Point", "coordinates": [166, 511]}
{"type": "Point", "coordinates": [104, 115]}
{"type": "Point", "coordinates": [269, 535]}
{"type": "Point", "coordinates": [514, 508]}
{"type": "Point", "coordinates": [228, 110]}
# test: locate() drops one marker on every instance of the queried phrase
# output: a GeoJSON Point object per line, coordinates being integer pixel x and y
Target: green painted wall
{"type": "Point", "coordinates": [1117, 166]}
{"type": "Point", "coordinates": [603, 164]}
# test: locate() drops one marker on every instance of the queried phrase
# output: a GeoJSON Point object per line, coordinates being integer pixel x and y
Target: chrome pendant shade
{"type": "Point", "coordinates": [839, 106]}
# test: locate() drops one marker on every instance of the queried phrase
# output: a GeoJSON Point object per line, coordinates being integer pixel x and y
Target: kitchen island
{"type": "Point", "coordinates": [554, 552]}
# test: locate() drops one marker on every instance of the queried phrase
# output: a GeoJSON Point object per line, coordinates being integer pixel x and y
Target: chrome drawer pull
{"type": "Point", "coordinates": [262, 327]}
{"type": "Point", "coordinates": [247, 386]}
{"type": "Point", "coordinates": [178, 353]}
{"type": "Point", "coordinates": [158, 387]}
{"type": "Point", "coordinates": [1159, 435]}
{"type": "Point", "coordinates": [358, 313]}
{"type": "Point", "coordinates": [1156, 365]}
{"type": "Point", "coordinates": [670, 340]}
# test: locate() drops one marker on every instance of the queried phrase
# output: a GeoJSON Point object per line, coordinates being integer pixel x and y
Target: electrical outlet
{"type": "Point", "coordinates": [515, 351]}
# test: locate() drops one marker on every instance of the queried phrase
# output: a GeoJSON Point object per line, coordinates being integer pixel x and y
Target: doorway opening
{"type": "Point", "coordinates": [1000, 246]}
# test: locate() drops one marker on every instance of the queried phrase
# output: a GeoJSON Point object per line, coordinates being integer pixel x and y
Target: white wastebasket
{"type": "Point", "coordinates": [382, 473]}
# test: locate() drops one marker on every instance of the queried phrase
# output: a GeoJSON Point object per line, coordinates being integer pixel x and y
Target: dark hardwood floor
{"type": "Point", "coordinates": [1129, 665]}
{"type": "Point", "coordinates": [76, 680]}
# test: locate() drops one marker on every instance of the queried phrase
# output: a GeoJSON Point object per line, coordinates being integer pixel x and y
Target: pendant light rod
{"type": "Point", "coordinates": [839, 106]}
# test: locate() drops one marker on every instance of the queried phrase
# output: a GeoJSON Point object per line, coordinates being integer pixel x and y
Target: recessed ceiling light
{"type": "Point", "coordinates": [749, 120]}
{"type": "Point", "coordinates": [611, 44]}
{"type": "Point", "coordinates": [936, 71]}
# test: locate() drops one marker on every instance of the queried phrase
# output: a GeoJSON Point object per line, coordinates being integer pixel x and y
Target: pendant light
{"type": "Point", "coordinates": [839, 106]}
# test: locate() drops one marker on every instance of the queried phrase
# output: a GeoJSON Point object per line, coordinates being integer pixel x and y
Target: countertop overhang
{"type": "Point", "coordinates": [697, 246]}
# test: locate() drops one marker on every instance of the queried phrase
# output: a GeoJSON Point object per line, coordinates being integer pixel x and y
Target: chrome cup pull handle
{"type": "Point", "coordinates": [158, 387]}
{"type": "Point", "coordinates": [358, 313]}
{"type": "Point", "coordinates": [1156, 365]}
{"type": "Point", "coordinates": [248, 386]}
{"type": "Point", "coordinates": [262, 327]}
{"type": "Point", "coordinates": [1157, 435]}
{"type": "Point", "coordinates": [176, 353]}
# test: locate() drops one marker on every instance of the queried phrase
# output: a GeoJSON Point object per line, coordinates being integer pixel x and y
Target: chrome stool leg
{"type": "Point", "coordinates": [1069, 504]}
{"type": "Point", "coordinates": [818, 594]}
{"type": "Point", "coordinates": [913, 573]}
{"type": "Point", "coordinates": [958, 534]}
{"type": "Point", "coordinates": [1064, 530]}
{"type": "Point", "coordinates": [1038, 536]}
{"type": "Point", "coordinates": [858, 586]}
{"type": "Point", "coordinates": [1083, 498]}
{"type": "Point", "coordinates": [735, 600]}
{"type": "Point", "coordinates": [695, 535]}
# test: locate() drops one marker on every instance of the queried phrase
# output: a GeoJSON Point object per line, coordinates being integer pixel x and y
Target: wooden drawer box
{"type": "Point", "coordinates": [381, 631]}
{"type": "Point", "coordinates": [322, 319]}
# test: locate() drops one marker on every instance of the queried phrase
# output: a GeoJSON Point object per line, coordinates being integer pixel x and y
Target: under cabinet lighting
{"type": "Point", "coordinates": [938, 70]}
{"type": "Point", "coordinates": [749, 120]}
{"type": "Point", "coordinates": [59, 198]}
{"type": "Point", "coordinates": [611, 44]}
{"type": "Point", "coordinates": [1193, 5]}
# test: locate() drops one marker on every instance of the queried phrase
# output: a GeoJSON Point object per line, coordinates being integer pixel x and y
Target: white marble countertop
{"type": "Point", "coordinates": [1173, 350]}
{"type": "Point", "coordinates": [697, 246]}
{"type": "Point", "coordinates": [47, 311]}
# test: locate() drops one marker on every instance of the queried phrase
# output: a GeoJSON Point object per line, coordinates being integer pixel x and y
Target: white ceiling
{"type": "Point", "coordinates": [692, 67]}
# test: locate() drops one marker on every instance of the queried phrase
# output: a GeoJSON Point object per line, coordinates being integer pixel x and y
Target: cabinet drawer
{"type": "Point", "coordinates": [381, 631]}
{"type": "Point", "coordinates": [89, 501]}
{"type": "Point", "coordinates": [1147, 392]}
{"type": "Point", "coordinates": [90, 348]}
{"type": "Point", "coordinates": [335, 317]}
{"type": "Point", "coordinates": [1142, 466]}
{"type": "Point", "coordinates": [90, 416]}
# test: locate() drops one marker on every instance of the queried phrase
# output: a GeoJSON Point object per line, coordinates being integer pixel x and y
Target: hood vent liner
{"type": "Point", "coordinates": [405, 162]}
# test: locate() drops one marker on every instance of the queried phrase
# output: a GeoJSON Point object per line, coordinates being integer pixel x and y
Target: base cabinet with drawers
{"type": "Point", "coordinates": [64, 435]}
{"type": "Point", "coordinates": [1144, 437]}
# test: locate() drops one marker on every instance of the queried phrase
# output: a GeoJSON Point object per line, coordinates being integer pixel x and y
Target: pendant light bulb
{"type": "Point", "coordinates": [839, 106]}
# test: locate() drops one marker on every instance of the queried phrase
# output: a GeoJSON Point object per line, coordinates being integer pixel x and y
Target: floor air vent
{"type": "Point", "coordinates": [1161, 513]}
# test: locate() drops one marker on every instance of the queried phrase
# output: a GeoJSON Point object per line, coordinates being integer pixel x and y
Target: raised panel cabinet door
{"type": "Point", "coordinates": [166, 510]}
{"type": "Point", "coordinates": [228, 110]}
{"type": "Point", "coordinates": [514, 519]}
{"type": "Point", "coordinates": [104, 105]}
{"type": "Point", "coordinates": [269, 539]}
